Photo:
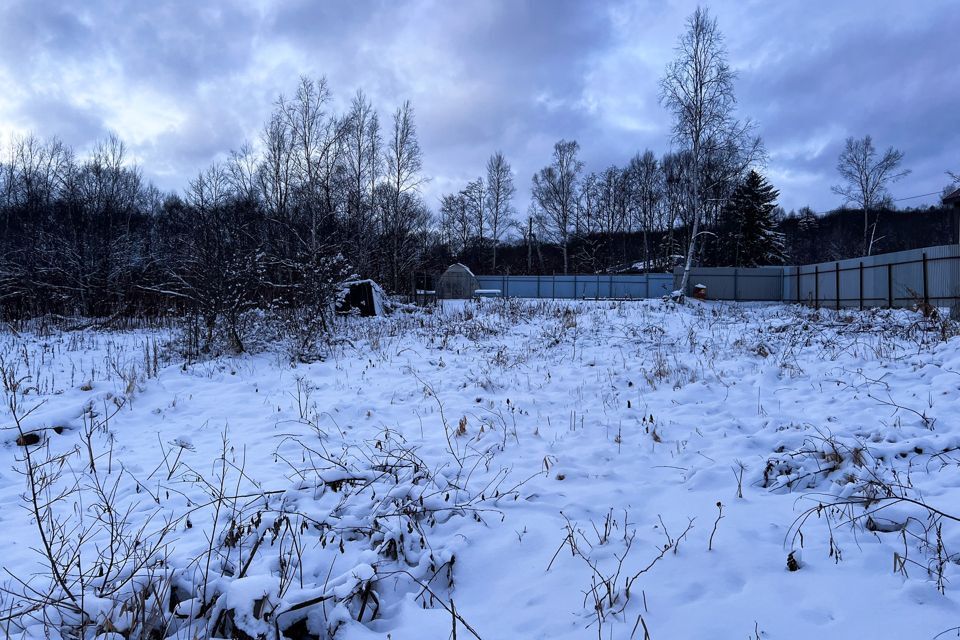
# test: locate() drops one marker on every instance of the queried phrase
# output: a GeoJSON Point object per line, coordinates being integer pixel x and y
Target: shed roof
{"type": "Point", "coordinates": [459, 269]}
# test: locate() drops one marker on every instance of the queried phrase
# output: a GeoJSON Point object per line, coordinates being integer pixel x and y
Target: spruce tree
{"type": "Point", "coordinates": [747, 226]}
{"type": "Point", "coordinates": [808, 230]}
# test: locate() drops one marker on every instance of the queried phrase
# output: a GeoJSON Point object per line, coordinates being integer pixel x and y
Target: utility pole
{"type": "Point", "coordinates": [530, 245]}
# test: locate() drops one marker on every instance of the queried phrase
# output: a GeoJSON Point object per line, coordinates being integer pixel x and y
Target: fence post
{"type": "Point", "coordinates": [926, 292]}
{"type": "Point", "coordinates": [538, 285]}
{"type": "Point", "coordinates": [954, 299]}
{"type": "Point", "coordinates": [554, 280]}
{"type": "Point", "coordinates": [837, 272]}
{"type": "Point", "coordinates": [598, 286]}
{"type": "Point", "coordinates": [736, 273]}
{"type": "Point", "coordinates": [816, 286]}
{"type": "Point", "coordinates": [646, 283]}
{"type": "Point", "coordinates": [890, 285]}
{"type": "Point", "coordinates": [799, 300]}
{"type": "Point", "coordinates": [861, 285]}
{"type": "Point", "coordinates": [574, 286]}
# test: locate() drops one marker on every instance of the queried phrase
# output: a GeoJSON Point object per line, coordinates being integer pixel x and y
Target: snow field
{"type": "Point", "coordinates": [518, 469]}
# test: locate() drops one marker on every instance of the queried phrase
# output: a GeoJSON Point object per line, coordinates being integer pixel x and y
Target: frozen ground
{"type": "Point", "coordinates": [518, 470]}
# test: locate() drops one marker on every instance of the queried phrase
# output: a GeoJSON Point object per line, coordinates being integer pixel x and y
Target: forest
{"type": "Point", "coordinates": [322, 197]}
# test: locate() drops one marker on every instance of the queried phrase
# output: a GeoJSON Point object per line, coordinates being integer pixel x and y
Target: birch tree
{"type": "Point", "coordinates": [364, 165]}
{"type": "Point", "coordinates": [401, 210]}
{"type": "Point", "coordinates": [865, 179]}
{"type": "Point", "coordinates": [697, 88]}
{"type": "Point", "coordinates": [555, 194]}
{"type": "Point", "coordinates": [475, 195]}
{"type": "Point", "coordinates": [500, 192]}
{"type": "Point", "coordinates": [646, 189]}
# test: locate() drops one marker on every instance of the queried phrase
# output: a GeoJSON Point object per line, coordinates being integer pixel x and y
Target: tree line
{"type": "Point", "coordinates": [704, 202]}
{"type": "Point", "coordinates": [321, 197]}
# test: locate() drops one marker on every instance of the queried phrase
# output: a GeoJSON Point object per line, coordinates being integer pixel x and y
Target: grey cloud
{"type": "Point", "coordinates": [73, 124]}
{"type": "Point", "coordinates": [871, 75]}
{"type": "Point", "coordinates": [507, 75]}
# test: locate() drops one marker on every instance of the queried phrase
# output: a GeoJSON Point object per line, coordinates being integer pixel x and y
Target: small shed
{"type": "Point", "coordinates": [457, 283]}
{"type": "Point", "coordinates": [364, 297]}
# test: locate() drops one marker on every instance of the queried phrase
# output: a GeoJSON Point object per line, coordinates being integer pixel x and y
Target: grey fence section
{"type": "Point", "coordinates": [589, 286]}
{"type": "Point", "coordinates": [901, 279]}
{"type": "Point", "coordinates": [735, 283]}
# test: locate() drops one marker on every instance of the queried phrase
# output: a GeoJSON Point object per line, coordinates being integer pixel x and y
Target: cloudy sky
{"type": "Point", "coordinates": [183, 82]}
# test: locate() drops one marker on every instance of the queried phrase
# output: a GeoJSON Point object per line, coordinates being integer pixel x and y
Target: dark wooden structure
{"type": "Point", "coordinates": [360, 297]}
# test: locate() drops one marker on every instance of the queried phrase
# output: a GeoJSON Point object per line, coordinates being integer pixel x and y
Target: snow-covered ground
{"type": "Point", "coordinates": [516, 469]}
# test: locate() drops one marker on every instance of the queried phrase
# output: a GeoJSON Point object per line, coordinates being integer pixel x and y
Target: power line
{"type": "Point", "coordinates": [922, 195]}
{"type": "Point", "coordinates": [820, 213]}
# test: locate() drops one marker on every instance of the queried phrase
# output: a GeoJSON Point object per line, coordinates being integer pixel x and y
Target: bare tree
{"type": "Point", "coordinates": [646, 191]}
{"type": "Point", "coordinates": [36, 170]}
{"type": "Point", "coordinates": [262, 229]}
{"type": "Point", "coordinates": [276, 172]}
{"type": "Point", "coordinates": [316, 142]}
{"type": "Point", "coordinates": [455, 222]}
{"type": "Point", "coordinates": [475, 196]}
{"type": "Point", "coordinates": [604, 204]}
{"type": "Point", "coordinates": [242, 171]}
{"type": "Point", "coordinates": [866, 178]}
{"type": "Point", "coordinates": [364, 165]}
{"type": "Point", "coordinates": [675, 167]}
{"type": "Point", "coordinates": [401, 210]}
{"type": "Point", "coordinates": [555, 194]}
{"type": "Point", "coordinates": [614, 202]}
{"type": "Point", "coordinates": [105, 196]}
{"type": "Point", "coordinates": [210, 189]}
{"type": "Point", "coordinates": [500, 192]}
{"type": "Point", "coordinates": [698, 89]}
{"type": "Point", "coordinates": [588, 204]}
{"type": "Point", "coordinates": [404, 158]}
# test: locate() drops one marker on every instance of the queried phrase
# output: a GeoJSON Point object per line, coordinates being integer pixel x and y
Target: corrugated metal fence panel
{"type": "Point", "coordinates": [736, 283]}
{"type": "Point", "coordinates": [621, 287]}
{"type": "Point", "coordinates": [660, 284]}
{"type": "Point", "coordinates": [849, 282]}
{"type": "Point", "coordinates": [896, 278]}
{"type": "Point", "coordinates": [826, 286]}
{"type": "Point", "coordinates": [943, 272]}
{"type": "Point", "coordinates": [653, 285]}
{"type": "Point", "coordinates": [873, 281]}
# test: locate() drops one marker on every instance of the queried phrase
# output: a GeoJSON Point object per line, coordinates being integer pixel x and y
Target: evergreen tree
{"type": "Point", "coordinates": [805, 241]}
{"type": "Point", "coordinates": [748, 227]}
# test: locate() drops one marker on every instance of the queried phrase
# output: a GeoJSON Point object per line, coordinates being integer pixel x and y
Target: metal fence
{"type": "Point", "coordinates": [586, 286]}
{"type": "Point", "coordinates": [902, 279]}
{"type": "Point", "coordinates": [928, 276]}
{"type": "Point", "coordinates": [735, 283]}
